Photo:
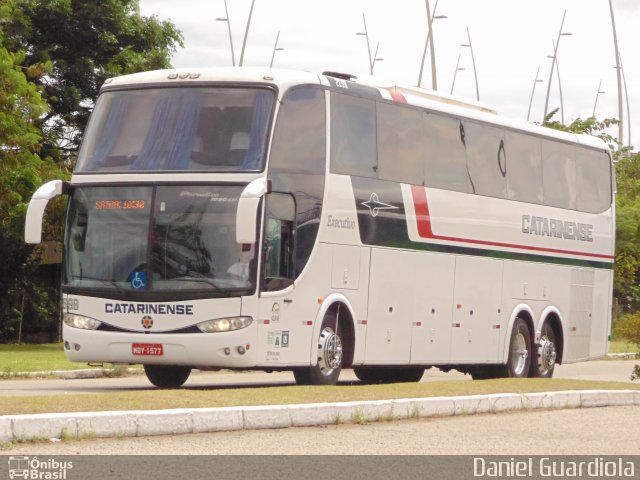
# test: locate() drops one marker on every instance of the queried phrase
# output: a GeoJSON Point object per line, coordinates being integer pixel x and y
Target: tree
{"type": "Point", "coordinates": [21, 171]}
{"type": "Point", "coordinates": [83, 43]}
{"type": "Point", "coordinates": [54, 55]}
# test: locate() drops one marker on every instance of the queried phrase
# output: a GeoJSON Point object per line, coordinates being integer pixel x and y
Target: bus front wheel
{"type": "Point", "coordinates": [329, 356]}
{"type": "Point", "coordinates": [167, 376]}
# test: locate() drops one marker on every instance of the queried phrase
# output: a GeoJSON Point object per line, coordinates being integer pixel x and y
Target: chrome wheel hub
{"type": "Point", "coordinates": [519, 354]}
{"type": "Point", "coordinates": [329, 351]}
{"type": "Point", "coordinates": [547, 355]}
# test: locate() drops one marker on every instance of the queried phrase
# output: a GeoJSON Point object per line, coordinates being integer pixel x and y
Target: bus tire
{"type": "Point", "coordinates": [519, 359]}
{"type": "Point", "coordinates": [546, 353]}
{"type": "Point", "coordinates": [167, 376]}
{"type": "Point", "coordinates": [368, 375]}
{"type": "Point", "coordinates": [329, 359]}
{"type": "Point", "coordinates": [485, 372]}
{"type": "Point", "coordinates": [389, 375]}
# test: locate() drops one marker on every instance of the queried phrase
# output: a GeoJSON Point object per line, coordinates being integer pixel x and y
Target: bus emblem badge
{"type": "Point", "coordinates": [375, 205]}
{"type": "Point", "coordinates": [147, 322]}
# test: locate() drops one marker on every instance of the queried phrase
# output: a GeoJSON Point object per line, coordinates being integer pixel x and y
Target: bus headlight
{"type": "Point", "coordinates": [80, 321]}
{"type": "Point", "coordinates": [224, 324]}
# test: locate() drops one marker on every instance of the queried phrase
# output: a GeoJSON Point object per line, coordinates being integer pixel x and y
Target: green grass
{"type": "Point", "coordinates": [622, 346]}
{"type": "Point", "coordinates": [30, 358]}
{"type": "Point", "coordinates": [34, 358]}
{"type": "Point", "coordinates": [278, 395]}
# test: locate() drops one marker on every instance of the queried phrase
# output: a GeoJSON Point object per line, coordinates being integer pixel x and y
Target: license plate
{"type": "Point", "coordinates": [148, 349]}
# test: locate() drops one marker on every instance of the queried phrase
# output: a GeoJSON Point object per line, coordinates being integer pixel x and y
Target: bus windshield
{"type": "Point", "coordinates": [162, 238]}
{"type": "Point", "coordinates": [170, 129]}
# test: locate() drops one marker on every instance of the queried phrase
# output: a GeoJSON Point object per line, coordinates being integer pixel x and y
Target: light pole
{"type": "Point", "coordinates": [246, 33]}
{"type": "Point", "coordinates": [473, 60]}
{"type": "Point", "coordinates": [626, 94]}
{"type": "Point", "coordinates": [455, 73]}
{"type": "Point", "coordinates": [619, 75]}
{"type": "Point", "coordinates": [374, 59]}
{"type": "Point", "coordinates": [275, 49]}
{"type": "Point", "coordinates": [553, 64]}
{"type": "Point", "coordinates": [429, 44]}
{"type": "Point", "coordinates": [226, 19]}
{"type": "Point", "coordinates": [537, 80]}
{"type": "Point", "coordinates": [595, 104]}
{"type": "Point", "coordinates": [559, 82]}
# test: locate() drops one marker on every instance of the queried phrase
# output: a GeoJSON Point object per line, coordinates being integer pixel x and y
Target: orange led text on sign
{"type": "Point", "coordinates": [119, 204]}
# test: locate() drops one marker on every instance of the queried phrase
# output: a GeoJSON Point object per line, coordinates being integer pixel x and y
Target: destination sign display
{"type": "Point", "coordinates": [120, 204]}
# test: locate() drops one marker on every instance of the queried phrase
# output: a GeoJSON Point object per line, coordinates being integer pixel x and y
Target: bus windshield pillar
{"type": "Point", "coordinates": [248, 209]}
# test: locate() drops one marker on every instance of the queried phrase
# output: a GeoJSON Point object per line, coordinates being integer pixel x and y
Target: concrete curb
{"type": "Point", "coordinates": [201, 420]}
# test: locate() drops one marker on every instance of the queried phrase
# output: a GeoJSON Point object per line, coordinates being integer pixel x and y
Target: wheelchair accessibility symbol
{"type": "Point", "coordinates": [139, 280]}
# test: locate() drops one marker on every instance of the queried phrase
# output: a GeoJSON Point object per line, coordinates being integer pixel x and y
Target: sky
{"type": "Point", "coordinates": [510, 39]}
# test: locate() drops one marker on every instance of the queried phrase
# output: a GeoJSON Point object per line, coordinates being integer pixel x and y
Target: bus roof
{"type": "Point", "coordinates": [283, 79]}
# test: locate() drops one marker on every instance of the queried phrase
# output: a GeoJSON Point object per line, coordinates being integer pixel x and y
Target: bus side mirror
{"type": "Point", "coordinates": [246, 215]}
{"type": "Point", "coordinates": [37, 206]}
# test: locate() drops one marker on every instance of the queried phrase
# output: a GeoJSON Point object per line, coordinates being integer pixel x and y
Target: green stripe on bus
{"type": "Point", "coordinates": [478, 252]}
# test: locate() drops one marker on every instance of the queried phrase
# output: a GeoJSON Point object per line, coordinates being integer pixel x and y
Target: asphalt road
{"type": "Point", "coordinates": [612, 370]}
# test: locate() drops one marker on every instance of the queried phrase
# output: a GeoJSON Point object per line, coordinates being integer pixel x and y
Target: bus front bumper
{"type": "Point", "coordinates": [235, 349]}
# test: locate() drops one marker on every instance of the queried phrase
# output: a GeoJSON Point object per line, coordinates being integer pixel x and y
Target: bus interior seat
{"type": "Point", "coordinates": [238, 147]}
{"type": "Point", "coordinates": [197, 151]}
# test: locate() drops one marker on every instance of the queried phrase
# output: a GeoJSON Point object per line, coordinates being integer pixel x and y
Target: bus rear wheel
{"type": "Point", "coordinates": [329, 356]}
{"type": "Point", "coordinates": [167, 376]}
{"type": "Point", "coordinates": [547, 353]}
{"type": "Point", "coordinates": [519, 359]}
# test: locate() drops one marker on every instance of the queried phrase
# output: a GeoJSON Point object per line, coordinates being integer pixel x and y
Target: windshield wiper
{"type": "Point", "coordinates": [198, 278]}
{"type": "Point", "coordinates": [111, 282]}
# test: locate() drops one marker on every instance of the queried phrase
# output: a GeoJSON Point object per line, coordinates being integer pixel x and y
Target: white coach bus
{"type": "Point", "coordinates": [276, 220]}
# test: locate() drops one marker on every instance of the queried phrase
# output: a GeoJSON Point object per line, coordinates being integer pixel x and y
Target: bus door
{"type": "Point", "coordinates": [276, 306]}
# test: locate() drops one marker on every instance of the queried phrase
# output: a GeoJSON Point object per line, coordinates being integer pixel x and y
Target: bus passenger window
{"type": "Point", "coordinates": [445, 158]}
{"type": "Point", "coordinates": [524, 173]}
{"type": "Point", "coordinates": [487, 159]}
{"type": "Point", "coordinates": [559, 174]}
{"type": "Point", "coordinates": [353, 136]}
{"type": "Point", "coordinates": [400, 144]}
{"type": "Point", "coordinates": [593, 172]}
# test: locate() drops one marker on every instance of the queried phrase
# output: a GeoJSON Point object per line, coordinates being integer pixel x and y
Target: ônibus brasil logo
{"type": "Point", "coordinates": [35, 468]}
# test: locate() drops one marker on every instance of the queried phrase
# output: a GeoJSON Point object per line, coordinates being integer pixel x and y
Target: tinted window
{"type": "Point", "coordinates": [353, 136]}
{"type": "Point", "coordinates": [524, 168]}
{"type": "Point", "coordinates": [486, 159]}
{"type": "Point", "coordinates": [400, 144]}
{"type": "Point", "coordinates": [168, 129]}
{"type": "Point", "coordinates": [593, 181]}
{"type": "Point", "coordinates": [299, 137]}
{"type": "Point", "coordinates": [169, 238]}
{"type": "Point", "coordinates": [559, 174]}
{"type": "Point", "coordinates": [278, 269]}
{"type": "Point", "coordinates": [446, 161]}
{"type": "Point", "coordinates": [297, 163]}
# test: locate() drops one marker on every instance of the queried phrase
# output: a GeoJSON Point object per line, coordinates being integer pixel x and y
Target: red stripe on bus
{"type": "Point", "coordinates": [425, 230]}
{"type": "Point", "coordinates": [398, 97]}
